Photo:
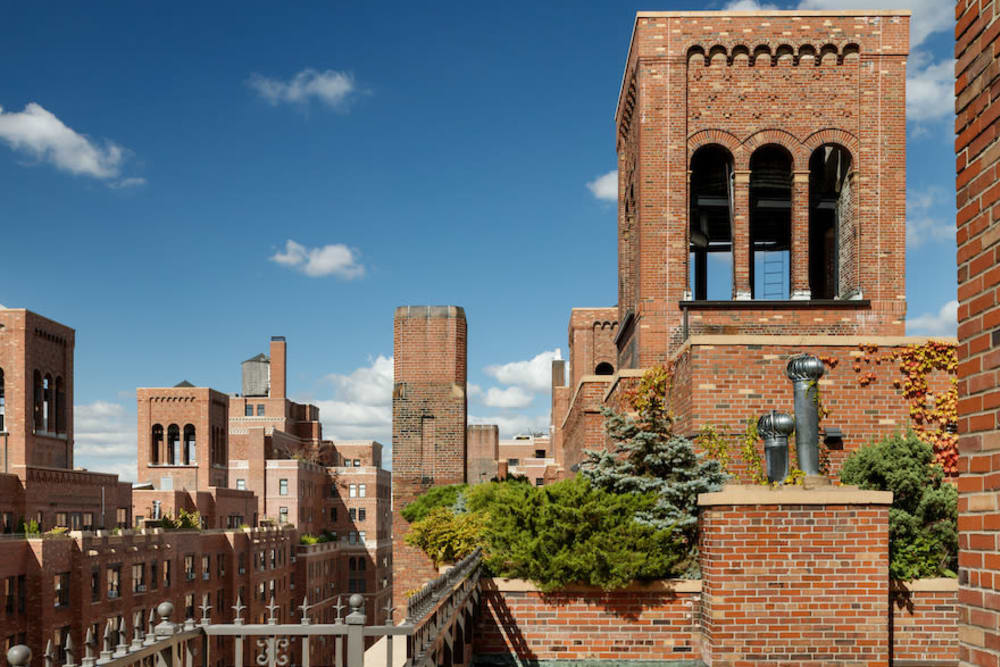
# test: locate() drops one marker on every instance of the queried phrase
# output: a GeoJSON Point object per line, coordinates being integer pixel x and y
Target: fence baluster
{"type": "Point", "coordinates": [356, 632]}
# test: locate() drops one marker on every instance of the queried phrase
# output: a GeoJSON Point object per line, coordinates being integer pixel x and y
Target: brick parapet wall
{"type": "Point", "coordinates": [642, 622]}
{"type": "Point", "coordinates": [795, 577]}
{"type": "Point", "coordinates": [977, 70]}
{"type": "Point", "coordinates": [925, 623]}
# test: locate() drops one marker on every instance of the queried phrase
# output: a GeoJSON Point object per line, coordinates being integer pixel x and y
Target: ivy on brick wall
{"type": "Point", "coordinates": [934, 417]}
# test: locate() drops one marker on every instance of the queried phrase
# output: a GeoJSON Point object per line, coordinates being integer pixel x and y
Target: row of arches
{"type": "Point", "coordinates": [49, 403]}
{"type": "Point", "coordinates": [767, 55]}
{"type": "Point", "coordinates": [180, 445]}
{"type": "Point", "coordinates": [769, 200]}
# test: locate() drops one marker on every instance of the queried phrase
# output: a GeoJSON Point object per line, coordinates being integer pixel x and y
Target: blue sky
{"type": "Point", "coordinates": [181, 182]}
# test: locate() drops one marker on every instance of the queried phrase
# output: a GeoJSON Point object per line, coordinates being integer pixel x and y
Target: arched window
{"type": "Point", "coordinates": [3, 404]}
{"type": "Point", "coordinates": [830, 218]}
{"type": "Point", "coordinates": [189, 445]}
{"type": "Point", "coordinates": [710, 223]}
{"type": "Point", "coordinates": [48, 407]}
{"type": "Point", "coordinates": [156, 448]}
{"type": "Point", "coordinates": [173, 444]}
{"type": "Point", "coordinates": [604, 368]}
{"type": "Point", "coordinates": [60, 405]}
{"type": "Point", "coordinates": [37, 402]}
{"type": "Point", "coordinates": [770, 222]}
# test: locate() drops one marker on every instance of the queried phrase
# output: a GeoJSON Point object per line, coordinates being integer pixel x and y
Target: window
{"type": "Point", "coordinates": [173, 444]}
{"type": "Point", "coordinates": [114, 577]}
{"type": "Point", "coordinates": [513, 462]}
{"type": "Point", "coordinates": [830, 220]}
{"type": "Point", "coordinates": [190, 456]}
{"type": "Point", "coordinates": [88, 520]}
{"type": "Point", "coordinates": [167, 567]}
{"type": "Point", "coordinates": [243, 562]}
{"type": "Point", "coordinates": [157, 510]}
{"type": "Point", "coordinates": [710, 224]}
{"type": "Point", "coordinates": [95, 584]}
{"type": "Point", "coordinates": [154, 575]}
{"type": "Point", "coordinates": [353, 491]}
{"type": "Point", "coordinates": [352, 514]}
{"type": "Point", "coordinates": [333, 490]}
{"type": "Point", "coordinates": [260, 409]}
{"type": "Point", "coordinates": [220, 565]}
{"type": "Point", "coordinates": [61, 637]}
{"type": "Point", "coordinates": [122, 516]}
{"type": "Point", "coordinates": [361, 490]}
{"type": "Point", "coordinates": [539, 481]}
{"type": "Point", "coordinates": [189, 605]}
{"type": "Point", "coordinates": [352, 537]}
{"type": "Point", "coordinates": [61, 519]}
{"type": "Point", "coordinates": [539, 453]}
{"type": "Point", "coordinates": [357, 463]}
{"type": "Point", "coordinates": [347, 463]}
{"type": "Point", "coordinates": [283, 515]}
{"type": "Point", "coordinates": [333, 514]}
{"type": "Point", "coordinates": [361, 514]}
{"type": "Point", "coordinates": [189, 567]}
{"type": "Point", "coordinates": [241, 484]}
{"type": "Point", "coordinates": [248, 410]}
{"type": "Point", "coordinates": [770, 223]}
{"type": "Point", "coordinates": [361, 536]}
{"type": "Point", "coordinates": [139, 578]}
{"type": "Point", "coordinates": [156, 446]}
{"type": "Point", "coordinates": [60, 583]}
{"type": "Point", "coordinates": [604, 368]}
{"type": "Point", "coordinates": [206, 567]}
{"type": "Point", "coordinates": [282, 487]}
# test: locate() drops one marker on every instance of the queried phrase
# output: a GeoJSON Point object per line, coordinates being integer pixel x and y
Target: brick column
{"type": "Point", "coordinates": [741, 236]}
{"type": "Point", "coordinates": [800, 237]}
{"type": "Point", "coordinates": [795, 576]}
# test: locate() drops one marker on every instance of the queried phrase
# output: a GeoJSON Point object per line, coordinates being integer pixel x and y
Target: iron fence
{"type": "Point", "coordinates": [437, 629]}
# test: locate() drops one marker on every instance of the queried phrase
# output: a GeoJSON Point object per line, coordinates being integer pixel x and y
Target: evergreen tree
{"type": "Point", "coordinates": [647, 458]}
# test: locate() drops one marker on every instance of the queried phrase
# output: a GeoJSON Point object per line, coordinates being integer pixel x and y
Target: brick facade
{"type": "Point", "coordinates": [812, 583]}
{"type": "Point", "coordinates": [484, 452]}
{"type": "Point", "coordinates": [428, 423]}
{"type": "Point", "coordinates": [977, 150]}
{"type": "Point", "coordinates": [925, 623]}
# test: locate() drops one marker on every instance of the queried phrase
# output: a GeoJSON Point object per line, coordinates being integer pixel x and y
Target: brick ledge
{"type": "Point", "coordinates": [658, 586]}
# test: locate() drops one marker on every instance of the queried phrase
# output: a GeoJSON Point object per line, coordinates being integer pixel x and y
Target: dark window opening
{"type": "Point", "coordinates": [3, 403]}
{"type": "Point", "coordinates": [710, 224]}
{"type": "Point", "coordinates": [604, 368]}
{"type": "Point", "coordinates": [189, 445]}
{"type": "Point", "coordinates": [770, 223]}
{"type": "Point", "coordinates": [60, 405]}
{"type": "Point", "coordinates": [829, 218]}
{"type": "Point", "coordinates": [37, 404]}
{"type": "Point", "coordinates": [173, 444]}
{"type": "Point", "coordinates": [157, 445]}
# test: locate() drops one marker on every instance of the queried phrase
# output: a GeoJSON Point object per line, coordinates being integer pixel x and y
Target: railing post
{"type": "Point", "coordinates": [356, 632]}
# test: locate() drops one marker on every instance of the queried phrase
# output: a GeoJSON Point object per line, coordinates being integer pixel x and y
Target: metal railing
{"type": "Point", "coordinates": [437, 628]}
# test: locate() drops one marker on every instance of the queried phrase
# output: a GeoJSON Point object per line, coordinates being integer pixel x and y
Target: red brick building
{"type": "Point", "coordinates": [751, 226]}
{"type": "Point", "coordinates": [977, 69]}
{"type": "Point", "coordinates": [428, 424]}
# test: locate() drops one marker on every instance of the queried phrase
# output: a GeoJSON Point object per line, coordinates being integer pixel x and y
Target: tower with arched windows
{"type": "Point", "coordinates": [761, 162]}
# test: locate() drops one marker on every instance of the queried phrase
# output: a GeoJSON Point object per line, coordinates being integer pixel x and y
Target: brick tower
{"type": "Point", "coordinates": [428, 423]}
{"type": "Point", "coordinates": [761, 162]}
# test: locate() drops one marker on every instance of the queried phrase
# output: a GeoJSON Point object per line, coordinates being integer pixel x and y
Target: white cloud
{"type": "Point", "coordinates": [511, 425]}
{"type": "Point", "coordinates": [335, 89]}
{"type": "Point", "coordinates": [942, 323]}
{"type": "Point", "coordinates": [39, 133]}
{"type": "Point", "coordinates": [748, 5]}
{"type": "Point", "coordinates": [923, 224]}
{"type": "Point", "coordinates": [335, 259]}
{"type": "Point", "coordinates": [534, 374]}
{"type": "Point", "coordinates": [605, 187]}
{"type": "Point", "coordinates": [131, 182]}
{"type": "Point", "coordinates": [511, 397]}
{"type": "Point", "coordinates": [930, 90]}
{"type": "Point", "coordinates": [105, 438]}
{"type": "Point", "coordinates": [361, 407]}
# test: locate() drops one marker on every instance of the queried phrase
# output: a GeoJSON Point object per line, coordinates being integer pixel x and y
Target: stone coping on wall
{"type": "Point", "coordinates": [657, 586]}
{"type": "Point", "coordinates": [753, 494]}
{"type": "Point", "coordinates": [932, 585]}
{"type": "Point", "coordinates": [775, 12]}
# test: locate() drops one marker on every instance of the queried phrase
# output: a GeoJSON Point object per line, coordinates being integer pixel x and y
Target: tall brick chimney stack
{"type": "Point", "coordinates": [278, 365]}
{"type": "Point", "coordinates": [428, 424]}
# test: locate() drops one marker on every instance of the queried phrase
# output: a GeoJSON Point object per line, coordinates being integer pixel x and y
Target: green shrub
{"type": "Point", "coordinates": [574, 532]}
{"type": "Point", "coordinates": [437, 496]}
{"type": "Point", "coordinates": [184, 521]}
{"type": "Point", "coordinates": [923, 519]}
{"type": "Point", "coordinates": [447, 536]}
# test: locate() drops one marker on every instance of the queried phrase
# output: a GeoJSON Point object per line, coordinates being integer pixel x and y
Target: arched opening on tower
{"type": "Point", "coordinates": [770, 222]}
{"type": "Point", "coordinates": [604, 368]}
{"type": "Point", "coordinates": [60, 397]}
{"type": "Point", "coordinates": [173, 444]}
{"type": "Point", "coordinates": [156, 445]}
{"type": "Point", "coordinates": [189, 444]}
{"type": "Point", "coordinates": [830, 218]}
{"type": "Point", "coordinates": [710, 236]}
